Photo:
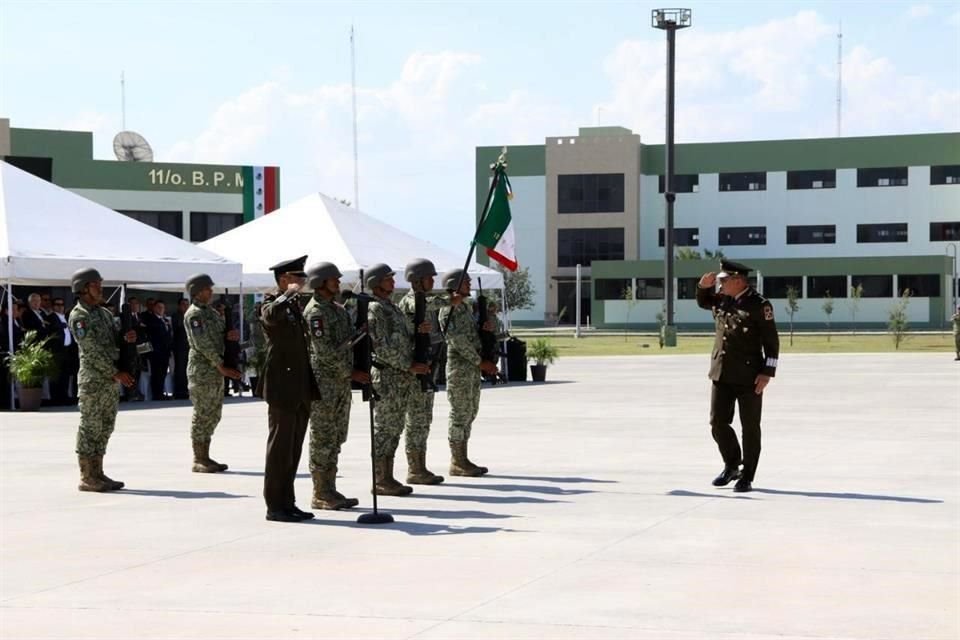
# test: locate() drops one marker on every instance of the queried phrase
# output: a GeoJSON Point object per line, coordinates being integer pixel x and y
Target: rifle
{"type": "Point", "coordinates": [231, 348]}
{"type": "Point", "coordinates": [422, 345]}
{"type": "Point", "coordinates": [128, 362]}
{"type": "Point", "coordinates": [362, 344]}
{"type": "Point", "coordinates": [489, 350]}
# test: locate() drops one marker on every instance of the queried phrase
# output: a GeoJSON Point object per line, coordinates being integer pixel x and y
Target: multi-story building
{"type": "Point", "coordinates": [820, 215]}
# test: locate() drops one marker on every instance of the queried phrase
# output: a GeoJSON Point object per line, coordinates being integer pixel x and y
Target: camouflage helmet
{"type": "Point", "coordinates": [320, 272]}
{"type": "Point", "coordinates": [418, 269]}
{"type": "Point", "coordinates": [83, 277]}
{"type": "Point", "coordinates": [452, 278]}
{"type": "Point", "coordinates": [198, 283]}
{"type": "Point", "coordinates": [376, 273]}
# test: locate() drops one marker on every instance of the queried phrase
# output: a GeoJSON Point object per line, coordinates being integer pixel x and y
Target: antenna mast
{"type": "Point", "coordinates": [353, 88]}
{"type": "Point", "coordinates": [840, 79]}
{"type": "Point", "coordinates": [123, 103]}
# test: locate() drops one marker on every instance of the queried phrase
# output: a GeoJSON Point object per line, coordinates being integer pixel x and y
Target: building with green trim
{"type": "Point", "coordinates": [819, 215]}
{"type": "Point", "coordinates": [192, 201]}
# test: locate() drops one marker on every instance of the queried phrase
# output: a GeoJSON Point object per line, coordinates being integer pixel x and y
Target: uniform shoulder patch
{"type": "Point", "coordinates": [316, 326]}
{"type": "Point", "coordinates": [767, 311]}
{"type": "Point", "coordinates": [196, 325]}
{"type": "Point", "coordinates": [79, 327]}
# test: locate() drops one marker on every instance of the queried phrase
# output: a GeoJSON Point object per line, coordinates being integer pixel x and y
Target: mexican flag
{"type": "Point", "coordinates": [496, 231]}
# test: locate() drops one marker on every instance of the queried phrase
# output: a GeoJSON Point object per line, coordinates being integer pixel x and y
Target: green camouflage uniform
{"type": "Point", "coordinates": [331, 359]}
{"type": "Point", "coordinates": [463, 369]}
{"type": "Point", "coordinates": [420, 408]}
{"type": "Point", "coordinates": [956, 332]}
{"type": "Point", "coordinates": [97, 338]}
{"type": "Point", "coordinates": [392, 335]}
{"type": "Point", "coordinates": [205, 333]}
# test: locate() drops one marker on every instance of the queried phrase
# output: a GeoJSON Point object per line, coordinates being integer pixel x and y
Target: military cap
{"type": "Point", "coordinates": [320, 272]}
{"type": "Point", "coordinates": [294, 267]}
{"type": "Point", "coordinates": [376, 273]}
{"type": "Point", "coordinates": [730, 268]}
{"type": "Point", "coordinates": [83, 277]}
{"type": "Point", "coordinates": [451, 279]}
{"type": "Point", "coordinates": [198, 283]}
{"type": "Point", "coordinates": [418, 269]}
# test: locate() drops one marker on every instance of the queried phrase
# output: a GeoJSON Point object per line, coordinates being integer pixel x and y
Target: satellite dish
{"type": "Point", "coordinates": [130, 146]}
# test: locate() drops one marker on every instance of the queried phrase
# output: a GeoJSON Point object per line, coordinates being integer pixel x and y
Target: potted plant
{"type": "Point", "coordinates": [543, 353]}
{"type": "Point", "coordinates": [29, 365]}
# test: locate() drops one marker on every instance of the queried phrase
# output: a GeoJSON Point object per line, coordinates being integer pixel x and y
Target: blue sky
{"type": "Point", "coordinates": [268, 83]}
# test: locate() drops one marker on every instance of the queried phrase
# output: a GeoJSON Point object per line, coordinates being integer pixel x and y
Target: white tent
{"type": "Point", "coordinates": [47, 233]}
{"type": "Point", "coordinates": [326, 230]}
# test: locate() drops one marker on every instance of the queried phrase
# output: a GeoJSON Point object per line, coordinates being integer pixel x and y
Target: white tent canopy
{"type": "Point", "coordinates": [326, 230]}
{"type": "Point", "coordinates": [47, 233]}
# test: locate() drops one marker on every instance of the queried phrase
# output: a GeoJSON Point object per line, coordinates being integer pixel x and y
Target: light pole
{"type": "Point", "coordinates": [670, 20]}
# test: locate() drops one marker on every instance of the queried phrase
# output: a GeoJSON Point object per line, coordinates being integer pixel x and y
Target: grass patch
{"type": "Point", "coordinates": [648, 344]}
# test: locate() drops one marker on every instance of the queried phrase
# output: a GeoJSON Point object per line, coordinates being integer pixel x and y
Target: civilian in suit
{"type": "Point", "coordinates": [18, 309]}
{"type": "Point", "coordinates": [65, 353]}
{"type": "Point", "coordinates": [33, 318]}
{"type": "Point", "coordinates": [160, 332]}
{"type": "Point", "coordinates": [181, 352]}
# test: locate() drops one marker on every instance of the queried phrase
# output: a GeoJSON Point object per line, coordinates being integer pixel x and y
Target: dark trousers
{"type": "Point", "coordinates": [159, 363]}
{"type": "Point", "coordinates": [287, 428]}
{"type": "Point", "coordinates": [722, 400]}
{"type": "Point", "coordinates": [60, 385]}
{"type": "Point", "coordinates": [180, 375]}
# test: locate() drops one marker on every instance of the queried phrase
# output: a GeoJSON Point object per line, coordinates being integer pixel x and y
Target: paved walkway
{"type": "Point", "coordinates": [598, 519]}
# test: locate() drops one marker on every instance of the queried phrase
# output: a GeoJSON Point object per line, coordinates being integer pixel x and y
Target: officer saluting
{"type": "Point", "coordinates": [744, 359]}
{"type": "Point", "coordinates": [288, 386]}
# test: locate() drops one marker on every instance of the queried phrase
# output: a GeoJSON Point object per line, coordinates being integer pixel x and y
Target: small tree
{"type": "Point", "coordinates": [661, 323]}
{"type": "Point", "coordinates": [792, 307]}
{"type": "Point", "coordinates": [856, 294]}
{"type": "Point", "coordinates": [713, 255]}
{"type": "Point", "coordinates": [828, 309]}
{"type": "Point", "coordinates": [519, 289]}
{"type": "Point", "coordinates": [632, 302]}
{"type": "Point", "coordinates": [686, 253]}
{"type": "Point", "coordinates": [898, 324]}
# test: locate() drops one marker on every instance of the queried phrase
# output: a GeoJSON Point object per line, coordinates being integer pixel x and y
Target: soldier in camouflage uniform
{"type": "Point", "coordinates": [420, 273]}
{"type": "Point", "coordinates": [394, 375]}
{"type": "Point", "coordinates": [206, 331]}
{"type": "Point", "coordinates": [464, 366]}
{"type": "Point", "coordinates": [98, 339]}
{"type": "Point", "coordinates": [331, 359]}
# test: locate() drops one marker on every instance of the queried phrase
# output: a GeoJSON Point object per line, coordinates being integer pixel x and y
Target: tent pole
{"type": "Point", "coordinates": [10, 336]}
{"type": "Point", "coordinates": [123, 295]}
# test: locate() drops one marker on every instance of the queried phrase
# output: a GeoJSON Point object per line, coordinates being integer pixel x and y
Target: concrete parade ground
{"type": "Point", "coordinates": [597, 521]}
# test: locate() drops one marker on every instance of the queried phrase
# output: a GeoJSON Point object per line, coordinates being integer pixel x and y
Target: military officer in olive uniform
{"type": "Point", "coordinates": [331, 358]}
{"type": "Point", "coordinates": [464, 366]}
{"type": "Point", "coordinates": [288, 385]}
{"type": "Point", "coordinates": [97, 336]}
{"type": "Point", "coordinates": [394, 375]}
{"type": "Point", "coordinates": [744, 360]}
{"type": "Point", "coordinates": [206, 332]}
{"type": "Point", "coordinates": [420, 273]}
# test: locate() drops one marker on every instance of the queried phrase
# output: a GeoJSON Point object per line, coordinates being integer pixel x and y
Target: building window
{"type": "Point", "coordinates": [874, 286]}
{"type": "Point", "coordinates": [590, 193]}
{"type": "Point", "coordinates": [820, 286]}
{"type": "Point", "coordinates": [945, 174]}
{"type": "Point", "coordinates": [750, 181]}
{"type": "Point", "coordinates": [167, 221]}
{"type": "Point", "coordinates": [687, 237]}
{"type": "Point", "coordinates": [611, 288]}
{"type": "Point", "coordinates": [649, 289]}
{"type": "Point", "coordinates": [776, 286]}
{"type": "Point", "coordinates": [812, 234]}
{"type": "Point", "coordinates": [920, 286]}
{"type": "Point", "coordinates": [682, 183]}
{"type": "Point", "coordinates": [687, 288]}
{"type": "Point", "coordinates": [944, 231]}
{"type": "Point", "coordinates": [204, 226]}
{"type": "Point", "coordinates": [816, 179]}
{"type": "Point", "coordinates": [582, 246]}
{"type": "Point", "coordinates": [742, 235]}
{"type": "Point", "coordinates": [892, 232]}
{"type": "Point", "coordinates": [882, 177]}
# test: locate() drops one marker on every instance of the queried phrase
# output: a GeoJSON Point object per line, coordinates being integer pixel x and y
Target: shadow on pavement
{"type": "Point", "coordinates": [693, 494]}
{"type": "Point", "coordinates": [410, 528]}
{"type": "Point", "coordinates": [531, 488]}
{"type": "Point", "coordinates": [441, 515]}
{"type": "Point", "coordinates": [809, 494]}
{"type": "Point", "coordinates": [188, 495]}
{"type": "Point", "coordinates": [560, 479]}
{"type": "Point", "coordinates": [487, 499]}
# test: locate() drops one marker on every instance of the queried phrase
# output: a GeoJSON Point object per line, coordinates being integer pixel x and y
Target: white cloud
{"type": "Point", "coordinates": [920, 11]}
